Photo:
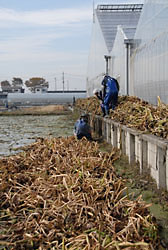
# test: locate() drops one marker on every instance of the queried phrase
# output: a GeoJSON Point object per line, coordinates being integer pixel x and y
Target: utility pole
{"type": "Point", "coordinates": [55, 83]}
{"type": "Point", "coordinates": [93, 12]}
{"type": "Point", "coordinates": [63, 81]}
{"type": "Point", "coordinates": [67, 85]}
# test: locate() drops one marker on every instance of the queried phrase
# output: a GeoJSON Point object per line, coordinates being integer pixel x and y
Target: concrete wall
{"type": "Point", "coordinates": [149, 151]}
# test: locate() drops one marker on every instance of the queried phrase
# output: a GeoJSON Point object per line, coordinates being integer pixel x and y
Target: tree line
{"type": "Point", "coordinates": [31, 84]}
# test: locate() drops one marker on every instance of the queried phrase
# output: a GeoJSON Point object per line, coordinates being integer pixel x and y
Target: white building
{"type": "Point", "coordinates": [40, 89]}
{"type": "Point", "coordinates": [130, 43]}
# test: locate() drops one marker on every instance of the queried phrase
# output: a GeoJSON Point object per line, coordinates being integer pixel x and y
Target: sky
{"type": "Point", "coordinates": [49, 39]}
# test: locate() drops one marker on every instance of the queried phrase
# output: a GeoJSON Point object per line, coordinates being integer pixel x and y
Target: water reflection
{"type": "Point", "coordinates": [17, 131]}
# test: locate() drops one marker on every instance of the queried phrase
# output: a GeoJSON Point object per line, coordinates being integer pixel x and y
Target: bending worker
{"type": "Point", "coordinates": [99, 94]}
{"type": "Point", "coordinates": [111, 89]}
{"type": "Point", "coordinates": [82, 128]}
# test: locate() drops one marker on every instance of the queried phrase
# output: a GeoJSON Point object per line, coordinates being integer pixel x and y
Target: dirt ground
{"type": "Point", "coordinates": [37, 110]}
{"type": "Point", "coordinates": [48, 108]}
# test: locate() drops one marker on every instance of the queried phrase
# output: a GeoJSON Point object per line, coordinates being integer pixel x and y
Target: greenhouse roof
{"type": "Point", "coordinates": [110, 16]}
{"type": "Point", "coordinates": [120, 7]}
{"type": "Point", "coordinates": [129, 32]}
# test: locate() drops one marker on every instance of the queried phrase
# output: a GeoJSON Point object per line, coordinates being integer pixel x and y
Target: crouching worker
{"type": "Point", "coordinates": [82, 128]}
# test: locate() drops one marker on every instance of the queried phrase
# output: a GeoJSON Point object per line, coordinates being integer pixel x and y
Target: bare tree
{"type": "Point", "coordinates": [17, 82]}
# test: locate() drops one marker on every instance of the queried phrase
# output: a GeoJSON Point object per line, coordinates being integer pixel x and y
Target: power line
{"type": "Point", "coordinates": [75, 75]}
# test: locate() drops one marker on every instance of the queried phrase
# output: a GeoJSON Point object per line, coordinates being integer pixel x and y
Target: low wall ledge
{"type": "Point", "coordinates": [162, 143]}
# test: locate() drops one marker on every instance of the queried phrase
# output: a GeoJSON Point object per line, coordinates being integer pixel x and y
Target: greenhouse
{"type": "Point", "coordinates": [130, 43]}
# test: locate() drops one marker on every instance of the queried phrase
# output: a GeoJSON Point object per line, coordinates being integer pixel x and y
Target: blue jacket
{"type": "Point", "coordinates": [110, 85]}
{"type": "Point", "coordinates": [82, 127]}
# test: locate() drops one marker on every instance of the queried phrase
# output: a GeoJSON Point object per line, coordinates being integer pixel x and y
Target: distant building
{"type": "Point", "coordinates": [17, 89]}
{"type": "Point", "coordinates": [67, 91]}
{"type": "Point", "coordinates": [52, 97]}
{"type": "Point", "coordinates": [40, 89]}
{"type": "Point", "coordinates": [3, 98]}
{"type": "Point", "coordinates": [6, 89]}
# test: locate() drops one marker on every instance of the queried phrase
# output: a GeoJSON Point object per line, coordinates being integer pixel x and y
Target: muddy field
{"type": "Point", "coordinates": [20, 130]}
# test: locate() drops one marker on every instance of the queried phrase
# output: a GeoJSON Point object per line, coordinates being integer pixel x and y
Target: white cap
{"type": "Point", "coordinates": [96, 91]}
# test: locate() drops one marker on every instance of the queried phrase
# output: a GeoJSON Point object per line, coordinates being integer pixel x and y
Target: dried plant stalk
{"type": "Point", "coordinates": [61, 193]}
{"type": "Point", "coordinates": [133, 112]}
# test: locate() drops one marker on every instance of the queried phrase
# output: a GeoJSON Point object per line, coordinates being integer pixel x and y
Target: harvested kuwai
{"type": "Point", "coordinates": [133, 112]}
{"type": "Point", "coordinates": [61, 193]}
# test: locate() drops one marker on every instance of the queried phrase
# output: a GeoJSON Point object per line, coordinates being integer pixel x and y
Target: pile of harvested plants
{"type": "Point", "coordinates": [61, 193]}
{"type": "Point", "coordinates": [133, 112]}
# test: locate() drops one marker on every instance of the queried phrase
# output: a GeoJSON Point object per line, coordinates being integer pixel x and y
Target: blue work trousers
{"type": "Point", "coordinates": [110, 101]}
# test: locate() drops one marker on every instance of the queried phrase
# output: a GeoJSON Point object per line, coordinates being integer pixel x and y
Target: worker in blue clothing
{"type": "Point", "coordinates": [82, 128]}
{"type": "Point", "coordinates": [111, 89]}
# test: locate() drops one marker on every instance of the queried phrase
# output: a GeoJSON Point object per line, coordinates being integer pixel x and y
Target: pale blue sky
{"type": "Point", "coordinates": [45, 38]}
